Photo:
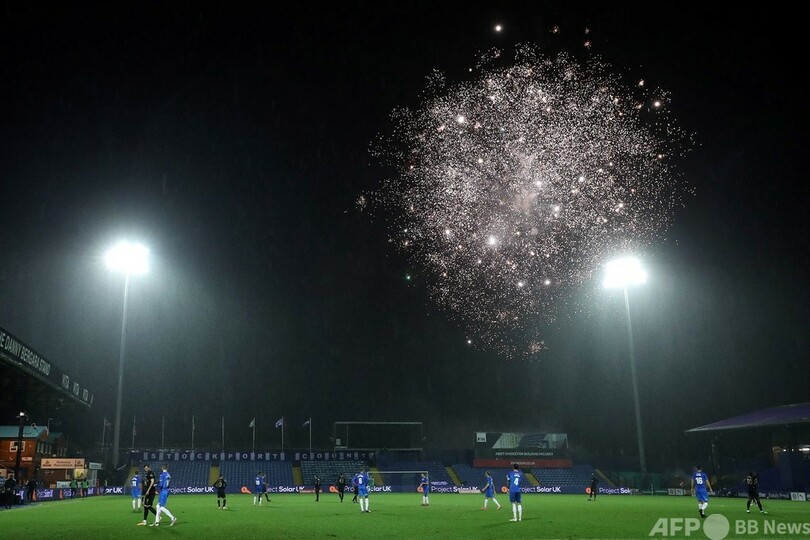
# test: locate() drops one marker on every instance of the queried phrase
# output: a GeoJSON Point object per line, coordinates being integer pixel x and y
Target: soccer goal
{"type": "Point", "coordinates": [403, 478]}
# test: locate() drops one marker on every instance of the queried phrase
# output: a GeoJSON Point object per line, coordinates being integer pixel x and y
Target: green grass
{"type": "Point", "coordinates": [395, 515]}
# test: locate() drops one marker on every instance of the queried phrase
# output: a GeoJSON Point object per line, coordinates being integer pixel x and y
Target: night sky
{"type": "Point", "coordinates": [234, 142]}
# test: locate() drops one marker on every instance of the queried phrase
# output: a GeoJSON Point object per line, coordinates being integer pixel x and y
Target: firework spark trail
{"type": "Point", "coordinates": [512, 188]}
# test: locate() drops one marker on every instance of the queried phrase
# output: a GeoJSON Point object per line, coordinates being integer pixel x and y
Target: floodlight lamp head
{"type": "Point", "coordinates": [128, 257]}
{"type": "Point", "coordinates": [622, 272]}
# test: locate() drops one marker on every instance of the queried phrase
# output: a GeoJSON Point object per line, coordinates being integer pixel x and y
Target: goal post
{"type": "Point", "coordinates": [403, 478]}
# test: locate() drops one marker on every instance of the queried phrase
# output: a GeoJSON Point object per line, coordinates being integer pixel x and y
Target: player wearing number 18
{"type": "Point", "coordinates": [515, 479]}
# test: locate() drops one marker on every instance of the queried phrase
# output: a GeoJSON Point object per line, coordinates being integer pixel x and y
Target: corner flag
{"type": "Point", "coordinates": [252, 422]}
{"type": "Point", "coordinates": [280, 422]}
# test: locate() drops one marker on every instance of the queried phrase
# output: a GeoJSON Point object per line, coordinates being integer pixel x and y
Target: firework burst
{"type": "Point", "coordinates": [512, 188]}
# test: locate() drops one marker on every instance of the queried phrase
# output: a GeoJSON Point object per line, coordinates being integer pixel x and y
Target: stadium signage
{"type": "Point", "coordinates": [283, 489]}
{"type": "Point", "coordinates": [331, 456]}
{"type": "Point", "coordinates": [23, 353]}
{"type": "Point", "coordinates": [159, 455]}
{"type": "Point", "coordinates": [542, 489]}
{"type": "Point", "coordinates": [615, 491]}
{"type": "Point", "coordinates": [45, 494]}
{"type": "Point", "coordinates": [20, 355]}
{"type": "Point", "coordinates": [292, 455]}
{"type": "Point", "coordinates": [191, 489]}
{"type": "Point", "coordinates": [570, 490]}
{"type": "Point", "coordinates": [443, 489]}
{"type": "Point", "coordinates": [62, 463]}
{"type": "Point", "coordinates": [523, 462]}
{"type": "Point", "coordinates": [523, 453]}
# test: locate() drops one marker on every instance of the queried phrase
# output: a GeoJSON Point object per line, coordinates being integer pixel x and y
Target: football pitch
{"type": "Point", "coordinates": [399, 515]}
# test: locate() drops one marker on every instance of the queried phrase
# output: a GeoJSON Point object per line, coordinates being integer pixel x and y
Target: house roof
{"type": "Point", "coordinates": [29, 432]}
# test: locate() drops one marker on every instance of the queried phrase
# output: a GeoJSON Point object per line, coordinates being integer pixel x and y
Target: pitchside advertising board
{"type": "Point", "coordinates": [66, 493]}
{"type": "Point", "coordinates": [44, 495]}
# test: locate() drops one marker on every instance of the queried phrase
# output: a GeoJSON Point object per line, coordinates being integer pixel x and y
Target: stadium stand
{"type": "Point", "coordinates": [474, 477]}
{"type": "Point", "coordinates": [184, 473]}
{"type": "Point", "coordinates": [576, 476]}
{"type": "Point", "coordinates": [328, 471]}
{"type": "Point", "coordinates": [769, 480]}
{"type": "Point", "coordinates": [189, 473]}
{"type": "Point", "coordinates": [279, 473]}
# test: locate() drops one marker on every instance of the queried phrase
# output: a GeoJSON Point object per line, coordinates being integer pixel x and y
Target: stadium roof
{"type": "Point", "coordinates": [798, 413]}
{"type": "Point", "coordinates": [29, 381]}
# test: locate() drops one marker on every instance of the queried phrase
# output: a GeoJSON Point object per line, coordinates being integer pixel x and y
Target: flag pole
{"type": "Point", "coordinates": [103, 434]}
{"type": "Point", "coordinates": [254, 435]}
{"type": "Point", "coordinates": [282, 433]}
{"type": "Point", "coordinates": [133, 433]}
{"type": "Point", "coordinates": [223, 434]}
{"type": "Point", "coordinates": [310, 437]}
{"type": "Point", "coordinates": [162, 430]}
{"type": "Point", "coordinates": [192, 432]}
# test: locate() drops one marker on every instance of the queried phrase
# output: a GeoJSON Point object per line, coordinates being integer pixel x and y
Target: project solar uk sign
{"type": "Point", "coordinates": [718, 527]}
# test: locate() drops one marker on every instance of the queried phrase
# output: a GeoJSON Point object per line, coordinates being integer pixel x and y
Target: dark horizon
{"type": "Point", "coordinates": [234, 142]}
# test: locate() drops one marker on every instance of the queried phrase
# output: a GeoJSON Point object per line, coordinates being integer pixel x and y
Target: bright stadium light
{"type": "Point", "coordinates": [619, 274]}
{"type": "Point", "coordinates": [623, 272]}
{"type": "Point", "coordinates": [131, 259]}
{"type": "Point", "coordinates": [128, 257]}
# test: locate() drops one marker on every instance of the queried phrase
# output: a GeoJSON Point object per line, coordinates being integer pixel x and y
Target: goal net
{"type": "Point", "coordinates": [406, 481]}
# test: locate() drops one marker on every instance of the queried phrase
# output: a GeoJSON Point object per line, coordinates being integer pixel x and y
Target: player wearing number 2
{"type": "Point", "coordinates": [515, 479]}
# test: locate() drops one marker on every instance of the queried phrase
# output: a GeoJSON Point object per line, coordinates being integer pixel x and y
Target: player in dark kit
{"type": "Point", "coordinates": [594, 483]}
{"type": "Point", "coordinates": [149, 490]}
{"type": "Point", "coordinates": [221, 484]}
{"type": "Point", "coordinates": [753, 492]}
{"type": "Point", "coordinates": [265, 487]}
{"type": "Point", "coordinates": [341, 486]}
{"type": "Point", "coordinates": [317, 483]}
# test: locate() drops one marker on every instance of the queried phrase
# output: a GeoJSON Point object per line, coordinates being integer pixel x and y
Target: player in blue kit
{"type": "Point", "coordinates": [258, 488]}
{"type": "Point", "coordinates": [135, 483]}
{"type": "Point", "coordinates": [514, 479]}
{"type": "Point", "coordinates": [489, 492]}
{"type": "Point", "coordinates": [701, 488]}
{"type": "Point", "coordinates": [164, 482]}
{"type": "Point", "coordinates": [425, 485]}
{"type": "Point", "coordinates": [360, 480]}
